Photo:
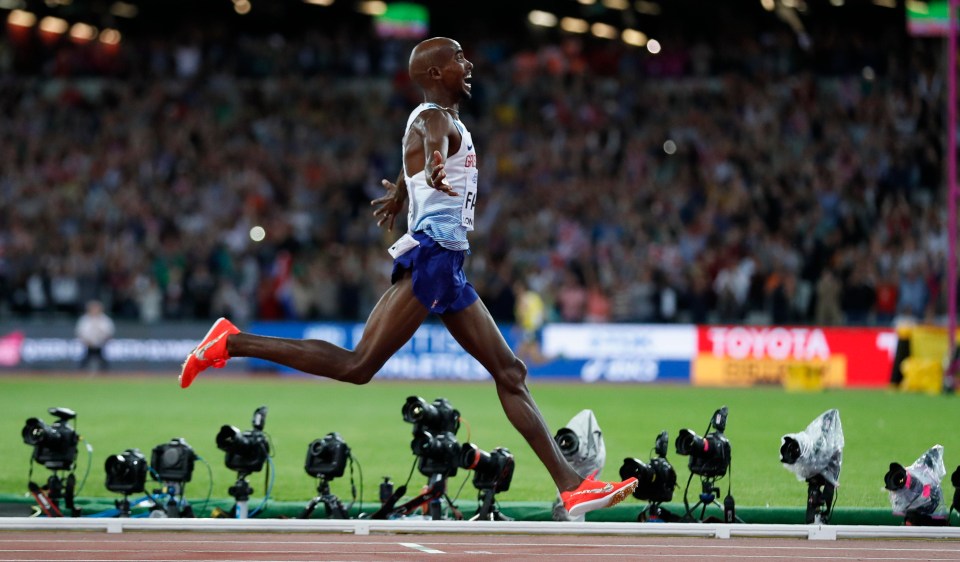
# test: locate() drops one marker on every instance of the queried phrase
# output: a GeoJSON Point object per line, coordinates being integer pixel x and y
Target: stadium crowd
{"type": "Point", "coordinates": [747, 181]}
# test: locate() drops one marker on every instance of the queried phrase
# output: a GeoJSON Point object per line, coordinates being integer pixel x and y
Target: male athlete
{"type": "Point", "coordinates": [440, 178]}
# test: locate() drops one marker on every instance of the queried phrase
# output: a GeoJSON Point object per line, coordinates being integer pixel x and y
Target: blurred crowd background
{"type": "Point", "coordinates": [745, 173]}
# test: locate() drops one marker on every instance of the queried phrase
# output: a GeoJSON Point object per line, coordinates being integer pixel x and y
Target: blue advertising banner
{"type": "Point", "coordinates": [585, 352]}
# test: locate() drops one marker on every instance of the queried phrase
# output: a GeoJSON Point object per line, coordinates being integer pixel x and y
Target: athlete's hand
{"type": "Point", "coordinates": [437, 175]}
{"type": "Point", "coordinates": [391, 204]}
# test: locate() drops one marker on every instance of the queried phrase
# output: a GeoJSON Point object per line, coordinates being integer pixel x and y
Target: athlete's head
{"type": "Point", "coordinates": [439, 67]}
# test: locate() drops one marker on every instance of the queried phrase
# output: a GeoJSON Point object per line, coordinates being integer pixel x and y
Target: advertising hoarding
{"type": "Point", "coordinates": [752, 355]}
{"type": "Point", "coordinates": [585, 352]}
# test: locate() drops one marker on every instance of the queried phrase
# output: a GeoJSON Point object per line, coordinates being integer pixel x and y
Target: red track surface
{"type": "Point", "coordinates": [81, 545]}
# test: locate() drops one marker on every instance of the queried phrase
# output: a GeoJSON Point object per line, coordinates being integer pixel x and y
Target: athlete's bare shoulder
{"type": "Point", "coordinates": [433, 121]}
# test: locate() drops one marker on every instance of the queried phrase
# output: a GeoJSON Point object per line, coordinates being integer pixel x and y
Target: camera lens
{"type": "Point", "coordinates": [228, 437]}
{"type": "Point", "coordinates": [687, 442]}
{"type": "Point", "coordinates": [469, 456]}
{"type": "Point", "coordinates": [634, 467]}
{"type": "Point", "coordinates": [416, 409]}
{"type": "Point", "coordinates": [895, 478]}
{"type": "Point", "coordinates": [33, 431]}
{"type": "Point", "coordinates": [790, 450]}
{"type": "Point", "coordinates": [171, 456]}
{"type": "Point", "coordinates": [568, 441]}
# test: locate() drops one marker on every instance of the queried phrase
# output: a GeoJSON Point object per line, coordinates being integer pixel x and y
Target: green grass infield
{"type": "Point", "coordinates": [117, 412]}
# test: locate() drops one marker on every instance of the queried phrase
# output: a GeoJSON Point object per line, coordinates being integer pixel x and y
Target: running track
{"type": "Point", "coordinates": [228, 546]}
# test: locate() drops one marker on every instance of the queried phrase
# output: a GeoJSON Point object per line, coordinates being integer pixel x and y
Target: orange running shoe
{"type": "Point", "coordinates": [592, 494]}
{"type": "Point", "coordinates": [212, 352]}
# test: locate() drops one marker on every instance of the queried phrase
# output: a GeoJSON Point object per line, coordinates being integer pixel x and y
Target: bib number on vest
{"type": "Point", "coordinates": [469, 201]}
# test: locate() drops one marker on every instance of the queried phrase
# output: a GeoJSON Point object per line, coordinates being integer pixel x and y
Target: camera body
{"type": "Point", "coordinates": [434, 435]}
{"type": "Point", "coordinates": [907, 484]}
{"type": "Point", "coordinates": [54, 445]}
{"type": "Point", "coordinates": [710, 454]}
{"type": "Point", "coordinates": [655, 481]}
{"type": "Point", "coordinates": [817, 450]}
{"type": "Point", "coordinates": [173, 461]}
{"type": "Point", "coordinates": [245, 451]}
{"type": "Point", "coordinates": [327, 457]}
{"type": "Point", "coordinates": [437, 417]}
{"type": "Point", "coordinates": [915, 490]}
{"type": "Point", "coordinates": [126, 472]}
{"type": "Point", "coordinates": [491, 471]}
{"type": "Point", "coordinates": [438, 454]}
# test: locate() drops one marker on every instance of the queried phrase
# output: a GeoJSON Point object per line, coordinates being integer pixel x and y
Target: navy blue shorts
{"type": "Point", "coordinates": [438, 279]}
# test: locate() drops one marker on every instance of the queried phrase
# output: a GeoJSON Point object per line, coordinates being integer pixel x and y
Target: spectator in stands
{"type": "Point", "coordinates": [776, 160]}
{"type": "Point", "coordinates": [859, 296]}
{"type": "Point", "coordinates": [828, 307]}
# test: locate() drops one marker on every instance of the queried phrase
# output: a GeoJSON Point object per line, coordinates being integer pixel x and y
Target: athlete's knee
{"type": "Point", "coordinates": [360, 372]}
{"type": "Point", "coordinates": [514, 376]}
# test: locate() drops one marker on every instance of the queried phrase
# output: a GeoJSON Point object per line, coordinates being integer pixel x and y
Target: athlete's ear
{"type": "Point", "coordinates": [434, 72]}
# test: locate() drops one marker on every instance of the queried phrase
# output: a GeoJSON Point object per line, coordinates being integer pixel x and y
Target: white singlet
{"type": "Point", "coordinates": [444, 218]}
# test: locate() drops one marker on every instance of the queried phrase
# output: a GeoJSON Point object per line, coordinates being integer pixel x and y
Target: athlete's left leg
{"type": "Point", "coordinates": [475, 330]}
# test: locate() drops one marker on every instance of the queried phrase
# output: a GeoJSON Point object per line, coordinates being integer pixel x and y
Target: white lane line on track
{"type": "Point", "coordinates": [421, 548]}
{"type": "Point", "coordinates": [118, 545]}
{"type": "Point", "coordinates": [727, 556]}
{"type": "Point", "coordinates": [499, 551]}
{"type": "Point", "coordinates": [645, 556]}
{"type": "Point", "coordinates": [224, 551]}
{"type": "Point", "coordinates": [532, 555]}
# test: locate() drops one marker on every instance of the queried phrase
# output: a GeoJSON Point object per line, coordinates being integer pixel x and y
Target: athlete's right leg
{"type": "Point", "coordinates": [392, 323]}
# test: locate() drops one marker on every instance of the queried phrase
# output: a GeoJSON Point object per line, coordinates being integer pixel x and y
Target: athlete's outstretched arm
{"type": "Point", "coordinates": [435, 129]}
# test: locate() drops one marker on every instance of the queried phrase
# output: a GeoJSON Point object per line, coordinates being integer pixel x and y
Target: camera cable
{"type": "Point", "coordinates": [89, 447]}
{"type": "Point", "coordinates": [353, 488]}
{"type": "Point", "coordinates": [206, 500]}
{"type": "Point", "coordinates": [271, 476]}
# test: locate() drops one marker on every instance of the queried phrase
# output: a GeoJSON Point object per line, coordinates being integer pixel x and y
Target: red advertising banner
{"type": "Point", "coordinates": [752, 355]}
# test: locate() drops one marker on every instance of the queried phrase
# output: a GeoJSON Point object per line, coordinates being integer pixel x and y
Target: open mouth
{"type": "Point", "coordinates": [466, 81]}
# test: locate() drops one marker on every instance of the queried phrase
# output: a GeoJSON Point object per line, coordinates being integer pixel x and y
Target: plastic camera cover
{"type": "Point", "coordinates": [591, 454]}
{"type": "Point", "coordinates": [821, 448]}
{"type": "Point", "coordinates": [589, 457]}
{"type": "Point", "coordinates": [922, 493]}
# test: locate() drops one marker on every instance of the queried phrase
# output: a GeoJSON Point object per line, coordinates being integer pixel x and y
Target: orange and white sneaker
{"type": "Point", "coordinates": [593, 494]}
{"type": "Point", "coordinates": [212, 352]}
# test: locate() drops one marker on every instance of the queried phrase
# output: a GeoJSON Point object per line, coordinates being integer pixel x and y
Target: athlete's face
{"type": "Point", "coordinates": [458, 72]}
